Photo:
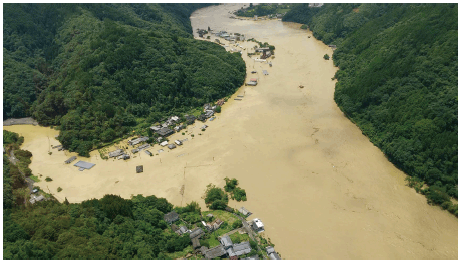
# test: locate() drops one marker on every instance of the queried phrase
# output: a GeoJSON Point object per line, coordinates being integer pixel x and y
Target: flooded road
{"type": "Point", "coordinates": [320, 187]}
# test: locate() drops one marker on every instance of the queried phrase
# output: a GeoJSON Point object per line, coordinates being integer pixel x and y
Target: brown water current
{"type": "Point", "coordinates": [321, 188]}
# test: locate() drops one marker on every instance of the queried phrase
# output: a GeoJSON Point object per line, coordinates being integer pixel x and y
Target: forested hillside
{"type": "Point", "coordinates": [397, 80]}
{"type": "Point", "coordinates": [97, 70]}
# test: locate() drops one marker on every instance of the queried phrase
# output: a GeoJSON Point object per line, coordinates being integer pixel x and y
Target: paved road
{"type": "Point", "coordinates": [251, 233]}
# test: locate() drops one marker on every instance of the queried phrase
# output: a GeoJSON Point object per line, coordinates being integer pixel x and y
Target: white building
{"type": "Point", "coordinates": [257, 225]}
{"type": "Point", "coordinates": [165, 143]}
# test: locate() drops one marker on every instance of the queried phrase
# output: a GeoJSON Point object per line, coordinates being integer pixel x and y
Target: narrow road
{"type": "Point", "coordinates": [251, 233]}
{"type": "Point", "coordinates": [14, 160]}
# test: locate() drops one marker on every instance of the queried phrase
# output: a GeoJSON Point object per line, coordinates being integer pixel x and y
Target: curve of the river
{"type": "Point", "coordinates": [321, 188]}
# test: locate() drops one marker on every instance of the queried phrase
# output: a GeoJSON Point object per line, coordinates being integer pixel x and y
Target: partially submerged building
{"type": "Point", "coordinates": [116, 153]}
{"type": "Point", "coordinates": [226, 242]}
{"type": "Point", "coordinates": [83, 165]}
{"type": "Point", "coordinates": [165, 132]}
{"type": "Point", "coordinates": [137, 140]}
{"type": "Point", "coordinates": [244, 211]}
{"type": "Point", "coordinates": [35, 199]}
{"type": "Point", "coordinates": [72, 158]}
{"type": "Point", "coordinates": [171, 146]}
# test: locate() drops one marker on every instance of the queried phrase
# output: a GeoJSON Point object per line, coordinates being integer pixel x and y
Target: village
{"type": "Point", "coordinates": [223, 234]}
{"type": "Point", "coordinates": [175, 124]}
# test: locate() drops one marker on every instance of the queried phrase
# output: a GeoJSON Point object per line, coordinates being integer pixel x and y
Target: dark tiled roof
{"type": "Point", "coordinates": [165, 131]}
{"type": "Point", "coordinates": [171, 217]}
{"type": "Point", "coordinates": [214, 252]}
{"type": "Point", "coordinates": [197, 232]}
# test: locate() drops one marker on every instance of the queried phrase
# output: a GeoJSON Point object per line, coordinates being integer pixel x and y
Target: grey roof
{"type": "Point", "coordinates": [269, 249]}
{"type": "Point", "coordinates": [244, 211]}
{"type": "Point", "coordinates": [138, 140]}
{"type": "Point", "coordinates": [84, 165]}
{"type": "Point", "coordinates": [72, 158]}
{"type": "Point", "coordinates": [195, 242]}
{"type": "Point", "coordinates": [139, 169]}
{"type": "Point", "coordinates": [115, 153]}
{"type": "Point", "coordinates": [135, 150]}
{"type": "Point", "coordinates": [226, 241]}
{"type": "Point", "coordinates": [171, 146]}
{"type": "Point", "coordinates": [183, 229]}
{"type": "Point", "coordinates": [171, 217]}
{"type": "Point", "coordinates": [144, 146]}
{"type": "Point", "coordinates": [242, 248]}
{"type": "Point", "coordinates": [165, 131]}
{"type": "Point", "coordinates": [196, 232]}
{"type": "Point", "coordinates": [215, 252]}
{"type": "Point", "coordinates": [203, 250]}
{"type": "Point", "coordinates": [265, 72]}
{"type": "Point", "coordinates": [175, 227]}
{"type": "Point", "coordinates": [274, 256]}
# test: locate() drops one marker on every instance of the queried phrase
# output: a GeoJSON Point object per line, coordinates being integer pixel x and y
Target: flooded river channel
{"type": "Point", "coordinates": [320, 187]}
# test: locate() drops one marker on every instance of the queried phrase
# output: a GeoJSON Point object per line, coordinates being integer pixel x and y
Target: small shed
{"type": "Point", "coordinates": [178, 142]}
{"type": "Point", "coordinates": [72, 158]}
{"type": "Point", "coordinates": [135, 150]}
{"type": "Point", "coordinates": [139, 169]}
{"type": "Point", "coordinates": [244, 211]}
{"type": "Point", "coordinates": [165, 143]}
{"type": "Point", "coordinates": [171, 146]}
{"type": "Point", "coordinates": [171, 217]}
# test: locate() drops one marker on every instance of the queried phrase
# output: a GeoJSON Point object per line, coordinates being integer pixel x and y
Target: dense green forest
{"type": "Point", "coordinates": [263, 10]}
{"type": "Point", "coordinates": [98, 70]}
{"type": "Point", "coordinates": [397, 80]}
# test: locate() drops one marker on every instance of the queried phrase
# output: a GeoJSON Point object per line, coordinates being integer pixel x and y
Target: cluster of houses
{"type": "Point", "coordinates": [232, 37]}
{"type": "Point", "coordinates": [226, 248]}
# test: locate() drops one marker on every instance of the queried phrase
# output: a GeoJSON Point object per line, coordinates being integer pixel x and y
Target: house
{"type": "Point", "coordinates": [178, 142]}
{"type": "Point", "coordinates": [165, 131]}
{"type": "Point", "coordinates": [253, 80]}
{"type": "Point", "coordinates": [262, 49]}
{"type": "Point", "coordinates": [195, 242]}
{"type": "Point", "coordinates": [220, 102]}
{"type": "Point", "coordinates": [239, 249]}
{"type": "Point", "coordinates": [171, 146]}
{"type": "Point", "coordinates": [190, 119]}
{"type": "Point", "coordinates": [156, 128]}
{"type": "Point", "coordinates": [214, 252]}
{"type": "Point", "coordinates": [137, 140]}
{"type": "Point", "coordinates": [274, 256]}
{"type": "Point", "coordinates": [269, 250]}
{"type": "Point", "coordinates": [164, 143]}
{"type": "Point", "coordinates": [207, 107]}
{"type": "Point", "coordinates": [257, 225]}
{"type": "Point", "coordinates": [72, 158]}
{"type": "Point", "coordinates": [216, 224]}
{"type": "Point", "coordinates": [244, 211]}
{"type": "Point", "coordinates": [37, 199]}
{"type": "Point", "coordinates": [139, 169]}
{"type": "Point", "coordinates": [144, 146]}
{"type": "Point", "coordinates": [255, 257]}
{"type": "Point", "coordinates": [226, 242]}
{"type": "Point", "coordinates": [179, 127]}
{"type": "Point", "coordinates": [115, 153]}
{"type": "Point", "coordinates": [202, 117]}
{"type": "Point", "coordinates": [135, 150]}
{"type": "Point", "coordinates": [148, 152]}
{"type": "Point", "coordinates": [204, 127]}
{"type": "Point", "coordinates": [171, 217]}
{"type": "Point", "coordinates": [184, 229]}
{"type": "Point", "coordinates": [203, 250]}
{"type": "Point", "coordinates": [159, 139]}
{"type": "Point", "coordinates": [197, 232]}
{"type": "Point", "coordinates": [123, 157]}
{"type": "Point", "coordinates": [251, 83]}
{"type": "Point", "coordinates": [209, 113]}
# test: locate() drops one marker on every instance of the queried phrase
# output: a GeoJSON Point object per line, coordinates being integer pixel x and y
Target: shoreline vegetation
{"type": "Point", "coordinates": [47, 229]}
{"type": "Point", "coordinates": [404, 100]}
{"type": "Point", "coordinates": [126, 67]}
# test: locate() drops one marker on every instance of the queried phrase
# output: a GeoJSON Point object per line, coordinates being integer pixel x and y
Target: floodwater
{"type": "Point", "coordinates": [320, 187]}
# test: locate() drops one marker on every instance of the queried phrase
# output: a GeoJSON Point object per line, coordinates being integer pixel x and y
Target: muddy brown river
{"type": "Point", "coordinates": [320, 187]}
